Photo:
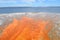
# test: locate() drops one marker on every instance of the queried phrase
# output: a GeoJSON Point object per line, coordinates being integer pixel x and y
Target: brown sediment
{"type": "Point", "coordinates": [27, 29]}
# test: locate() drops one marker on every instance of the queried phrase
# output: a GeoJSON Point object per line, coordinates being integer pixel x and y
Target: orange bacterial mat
{"type": "Point", "coordinates": [27, 29]}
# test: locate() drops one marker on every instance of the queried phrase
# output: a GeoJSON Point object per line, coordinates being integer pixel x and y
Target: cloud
{"type": "Point", "coordinates": [52, 0]}
{"type": "Point", "coordinates": [28, 0]}
{"type": "Point", "coordinates": [24, 2]}
{"type": "Point", "coordinates": [19, 0]}
{"type": "Point", "coordinates": [45, 0]}
{"type": "Point", "coordinates": [41, 0]}
{"type": "Point", "coordinates": [21, 5]}
{"type": "Point", "coordinates": [12, 3]}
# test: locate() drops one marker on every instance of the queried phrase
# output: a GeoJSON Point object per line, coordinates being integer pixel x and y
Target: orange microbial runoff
{"type": "Point", "coordinates": [27, 29]}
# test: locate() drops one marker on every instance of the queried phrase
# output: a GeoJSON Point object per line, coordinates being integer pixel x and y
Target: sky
{"type": "Point", "coordinates": [29, 3]}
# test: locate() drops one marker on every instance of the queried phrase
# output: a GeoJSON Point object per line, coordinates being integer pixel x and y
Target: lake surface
{"type": "Point", "coordinates": [29, 9]}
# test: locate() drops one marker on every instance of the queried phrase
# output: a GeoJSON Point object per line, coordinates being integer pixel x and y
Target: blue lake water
{"type": "Point", "coordinates": [29, 9]}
